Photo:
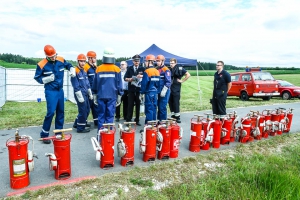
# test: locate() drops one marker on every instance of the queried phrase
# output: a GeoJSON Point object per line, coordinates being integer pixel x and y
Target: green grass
{"type": "Point", "coordinates": [20, 114]}
{"type": "Point", "coordinates": [15, 65]}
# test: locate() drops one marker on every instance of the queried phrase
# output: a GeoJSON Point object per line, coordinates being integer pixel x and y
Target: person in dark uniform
{"type": "Point", "coordinates": [133, 76]}
{"type": "Point", "coordinates": [177, 72]}
{"type": "Point", "coordinates": [222, 84]}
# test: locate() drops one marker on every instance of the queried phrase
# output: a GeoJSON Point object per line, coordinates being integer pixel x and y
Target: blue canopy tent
{"type": "Point", "coordinates": [155, 50]}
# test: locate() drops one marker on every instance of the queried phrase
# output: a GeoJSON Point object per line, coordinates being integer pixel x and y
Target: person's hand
{"type": "Point", "coordinates": [179, 80]}
{"type": "Point", "coordinates": [118, 100]}
{"type": "Point", "coordinates": [79, 96]}
{"type": "Point", "coordinates": [95, 99]}
{"type": "Point", "coordinates": [48, 79]}
{"type": "Point", "coordinates": [90, 94]}
{"type": "Point", "coordinates": [72, 72]}
{"type": "Point", "coordinates": [164, 91]}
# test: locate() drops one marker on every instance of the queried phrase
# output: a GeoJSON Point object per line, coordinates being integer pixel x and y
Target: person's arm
{"type": "Point", "coordinates": [229, 86]}
{"type": "Point", "coordinates": [186, 77]}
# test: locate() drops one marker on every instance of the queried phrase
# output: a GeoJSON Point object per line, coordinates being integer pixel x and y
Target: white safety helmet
{"type": "Point", "coordinates": [108, 56]}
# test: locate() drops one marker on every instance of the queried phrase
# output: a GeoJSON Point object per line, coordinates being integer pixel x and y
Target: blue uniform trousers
{"type": "Point", "coordinates": [106, 111]}
{"type": "Point", "coordinates": [94, 111]}
{"type": "Point", "coordinates": [55, 103]}
{"type": "Point", "coordinates": [162, 106]}
{"type": "Point", "coordinates": [83, 112]}
{"type": "Point", "coordinates": [150, 106]}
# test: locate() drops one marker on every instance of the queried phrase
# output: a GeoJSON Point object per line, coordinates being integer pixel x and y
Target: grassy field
{"type": "Point", "coordinates": [14, 65]}
{"type": "Point", "coordinates": [17, 114]}
{"type": "Point", "coordinates": [266, 169]}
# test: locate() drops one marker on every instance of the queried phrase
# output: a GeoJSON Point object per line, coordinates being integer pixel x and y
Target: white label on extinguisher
{"type": "Point", "coordinates": [19, 167]}
{"type": "Point", "coordinates": [176, 144]}
{"type": "Point", "coordinates": [192, 133]}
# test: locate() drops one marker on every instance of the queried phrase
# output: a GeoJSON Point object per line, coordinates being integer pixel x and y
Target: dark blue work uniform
{"type": "Point", "coordinates": [150, 88]}
{"type": "Point", "coordinates": [91, 71]}
{"type": "Point", "coordinates": [177, 72]}
{"type": "Point", "coordinates": [80, 83]}
{"type": "Point", "coordinates": [165, 80]}
{"type": "Point", "coordinates": [54, 92]}
{"type": "Point", "coordinates": [220, 92]}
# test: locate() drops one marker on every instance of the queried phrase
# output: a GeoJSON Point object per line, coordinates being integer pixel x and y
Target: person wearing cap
{"type": "Point", "coordinates": [82, 94]}
{"type": "Point", "coordinates": [124, 99]}
{"type": "Point", "coordinates": [150, 88]}
{"type": "Point", "coordinates": [90, 69]}
{"type": "Point", "coordinates": [50, 72]}
{"type": "Point", "coordinates": [107, 88]}
{"type": "Point", "coordinates": [133, 76]}
{"type": "Point", "coordinates": [164, 89]}
{"type": "Point", "coordinates": [177, 72]}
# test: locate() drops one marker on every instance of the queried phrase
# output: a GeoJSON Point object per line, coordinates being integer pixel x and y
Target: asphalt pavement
{"type": "Point", "coordinates": [83, 162]}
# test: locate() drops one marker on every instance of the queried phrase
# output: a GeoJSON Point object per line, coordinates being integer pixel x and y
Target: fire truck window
{"type": "Point", "coordinates": [246, 77]}
{"type": "Point", "coordinates": [235, 78]}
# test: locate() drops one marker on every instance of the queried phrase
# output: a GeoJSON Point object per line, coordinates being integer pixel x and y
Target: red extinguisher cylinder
{"type": "Point", "coordinates": [174, 140]}
{"type": "Point", "coordinates": [62, 152]}
{"type": "Point", "coordinates": [107, 142]}
{"type": "Point", "coordinates": [217, 125]}
{"type": "Point", "coordinates": [128, 139]}
{"type": "Point", "coordinates": [288, 126]}
{"type": "Point", "coordinates": [164, 153]}
{"type": "Point", "coordinates": [195, 141]}
{"type": "Point", "coordinates": [206, 144]}
{"type": "Point", "coordinates": [18, 163]}
{"type": "Point", "coordinates": [150, 152]}
{"type": "Point", "coordinates": [227, 124]}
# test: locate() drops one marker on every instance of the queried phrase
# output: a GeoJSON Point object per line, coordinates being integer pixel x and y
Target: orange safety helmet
{"type": "Point", "coordinates": [81, 57]}
{"type": "Point", "coordinates": [49, 51]}
{"type": "Point", "coordinates": [150, 57]}
{"type": "Point", "coordinates": [160, 57]}
{"type": "Point", "coordinates": [91, 54]}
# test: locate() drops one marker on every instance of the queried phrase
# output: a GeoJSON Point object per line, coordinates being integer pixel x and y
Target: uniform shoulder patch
{"type": "Point", "coordinates": [77, 70]}
{"type": "Point", "coordinates": [86, 67]}
{"type": "Point", "coordinates": [42, 63]}
{"type": "Point", "coordinates": [61, 59]}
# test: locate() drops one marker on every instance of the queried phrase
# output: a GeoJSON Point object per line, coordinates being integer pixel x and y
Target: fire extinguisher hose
{"type": "Point", "coordinates": [97, 148]}
{"type": "Point", "coordinates": [30, 153]}
{"type": "Point", "coordinates": [53, 161]}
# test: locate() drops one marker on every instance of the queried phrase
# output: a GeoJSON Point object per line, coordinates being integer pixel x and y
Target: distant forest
{"type": "Point", "coordinates": [12, 58]}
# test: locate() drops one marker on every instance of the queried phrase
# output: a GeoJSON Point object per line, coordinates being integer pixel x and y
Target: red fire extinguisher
{"type": "Point", "coordinates": [126, 143]}
{"type": "Point", "coordinates": [267, 123]}
{"type": "Point", "coordinates": [148, 141]}
{"type": "Point", "coordinates": [207, 132]}
{"type": "Point", "coordinates": [105, 146]}
{"type": "Point", "coordinates": [281, 121]}
{"type": "Point", "coordinates": [60, 160]}
{"type": "Point", "coordinates": [235, 120]}
{"type": "Point", "coordinates": [275, 122]}
{"type": "Point", "coordinates": [175, 138]}
{"type": "Point", "coordinates": [288, 119]}
{"type": "Point", "coordinates": [163, 140]}
{"type": "Point", "coordinates": [217, 127]}
{"type": "Point", "coordinates": [196, 141]}
{"type": "Point", "coordinates": [226, 130]}
{"type": "Point", "coordinates": [20, 160]}
{"type": "Point", "coordinates": [244, 132]}
{"type": "Point", "coordinates": [255, 125]}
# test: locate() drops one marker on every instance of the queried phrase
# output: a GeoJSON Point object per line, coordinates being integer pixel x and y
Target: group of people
{"type": "Point", "coordinates": [101, 89]}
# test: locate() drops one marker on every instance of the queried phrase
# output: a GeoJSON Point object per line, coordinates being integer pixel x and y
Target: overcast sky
{"type": "Point", "coordinates": [239, 32]}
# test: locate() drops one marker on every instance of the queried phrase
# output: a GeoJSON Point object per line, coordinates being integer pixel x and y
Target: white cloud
{"type": "Point", "coordinates": [264, 33]}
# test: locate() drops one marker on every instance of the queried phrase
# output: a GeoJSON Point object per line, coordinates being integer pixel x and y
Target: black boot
{"type": "Point", "coordinates": [178, 119]}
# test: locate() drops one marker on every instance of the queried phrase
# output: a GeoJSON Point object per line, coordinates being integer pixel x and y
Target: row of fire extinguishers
{"type": "Point", "coordinates": [212, 130]}
{"type": "Point", "coordinates": [163, 139]}
{"type": "Point", "coordinates": [21, 159]}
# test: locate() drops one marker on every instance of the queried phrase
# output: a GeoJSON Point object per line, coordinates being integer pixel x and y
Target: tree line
{"type": "Point", "coordinates": [12, 58]}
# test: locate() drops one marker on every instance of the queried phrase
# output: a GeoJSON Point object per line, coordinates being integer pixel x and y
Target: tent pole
{"type": "Point", "coordinates": [199, 90]}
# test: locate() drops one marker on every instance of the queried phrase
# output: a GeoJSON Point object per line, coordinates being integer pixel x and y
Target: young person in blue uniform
{"type": "Point", "coordinates": [107, 88]}
{"type": "Point", "coordinates": [50, 72]}
{"type": "Point", "coordinates": [90, 69]}
{"type": "Point", "coordinates": [82, 94]}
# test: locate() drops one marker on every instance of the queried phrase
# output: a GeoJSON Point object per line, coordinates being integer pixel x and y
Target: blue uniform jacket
{"type": "Point", "coordinates": [80, 81]}
{"type": "Point", "coordinates": [46, 68]}
{"type": "Point", "coordinates": [107, 82]}
{"type": "Point", "coordinates": [150, 81]}
{"type": "Point", "coordinates": [90, 71]}
{"type": "Point", "coordinates": [165, 77]}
